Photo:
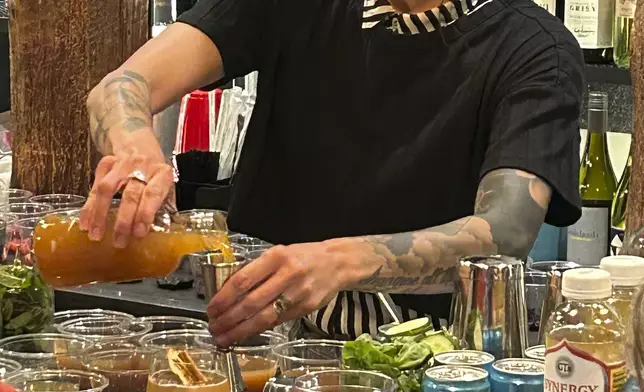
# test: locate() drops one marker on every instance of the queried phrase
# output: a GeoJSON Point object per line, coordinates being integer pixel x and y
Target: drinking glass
{"type": "Point", "coordinates": [304, 356]}
{"type": "Point", "coordinates": [61, 317]}
{"type": "Point", "coordinates": [126, 369]}
{"type": "Point", "coordinates": [173, 323]}
{"type": "Point", "coordinates": [106, 332]}
{"type": "Point", "coordinates": [181, 338]}
{"type": "Point", "coordinates": [8, 368]}
{"type": "Point", "coordinates": [60, 201]}
{"type": "Point", "coordinates": [7, 223]}
{"type": "Point", "coordinates": [29, 210]}
{"type": "Point", "coordinates": [20, 239]}
{"type": "Point", "coordinates": [13, 195]}
{"type": "Point", "coordinates": [345, 381]}
{"type": "Point", "coordinates": [46, 350]}
{"type": "Point", "coordinates": [209, 364]}
{"type": "Point", "coordinates": [58, 381]}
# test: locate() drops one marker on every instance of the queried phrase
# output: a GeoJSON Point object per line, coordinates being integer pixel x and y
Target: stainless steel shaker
{"type": "Point", "coordinates": [488, 307]}
{"type": "Point", "coordinates": [554, 271]}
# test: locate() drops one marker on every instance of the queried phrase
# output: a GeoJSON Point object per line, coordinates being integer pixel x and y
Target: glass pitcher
{"type": "Point", "coordinates": [65, 255]}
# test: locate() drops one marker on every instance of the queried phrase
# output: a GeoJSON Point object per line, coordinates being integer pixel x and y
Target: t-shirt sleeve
{"type": "Point", "coordinates": [535, 125]}
{"type": "Point", "coordinates": [239, 29]}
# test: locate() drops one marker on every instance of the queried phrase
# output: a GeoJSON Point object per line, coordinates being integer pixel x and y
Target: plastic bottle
{"type": "Point", "coordinates": [585, 338]}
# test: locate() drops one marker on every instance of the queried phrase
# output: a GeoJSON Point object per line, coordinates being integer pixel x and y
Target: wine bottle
{"type": "Point", "coordinates": [588, 239]}
{"type": "Point", "coordinates": [548, 5]}
{"type": "Point", "coordinates": [618, 209]}
{"type": "Point", "coordinates": [624, 21]}
{"type": "Point", "coordinates": [591, 22]}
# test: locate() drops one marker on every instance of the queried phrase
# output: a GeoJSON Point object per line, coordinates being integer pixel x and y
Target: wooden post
{"type": "Point", "coordinates": [59, 51]}
{"type": "Point", "coordinates": [635, 207]}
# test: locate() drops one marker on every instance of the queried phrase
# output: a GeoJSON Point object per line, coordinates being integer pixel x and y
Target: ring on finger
{"type": "Point", "coordinates": [139, 176]}
{"type": "Point", "coordinates": [281, 305]}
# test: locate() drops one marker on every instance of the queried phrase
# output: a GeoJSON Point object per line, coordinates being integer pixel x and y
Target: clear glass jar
{"type": "Point", "coordinates": [63, 251]}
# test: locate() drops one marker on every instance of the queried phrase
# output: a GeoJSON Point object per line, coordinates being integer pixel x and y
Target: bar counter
{"type": "Point", "coordinates": [138, 299]}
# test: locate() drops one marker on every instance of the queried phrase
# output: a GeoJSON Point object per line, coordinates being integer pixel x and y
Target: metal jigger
{"type": "Point", "coordinates": [488, 306]}
{"type": "Point", "coordinates": [215, 273]}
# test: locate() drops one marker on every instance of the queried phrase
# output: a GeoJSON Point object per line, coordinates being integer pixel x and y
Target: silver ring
{"type": "Point", "coordinates": [281, 305]}
{"type": "Point", "coordinates": [139, 176]}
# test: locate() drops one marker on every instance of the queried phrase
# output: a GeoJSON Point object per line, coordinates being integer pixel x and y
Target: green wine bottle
{"type": "Point", "coordinates": [618, 210]}
{"type": "Point", "coordinates": [589, 238]}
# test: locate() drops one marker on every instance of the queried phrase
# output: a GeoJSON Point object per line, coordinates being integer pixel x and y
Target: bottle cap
{"type": "Point", "coordinates": [624, 270]}
{"type": "Point", "coordinates": [586, 283]}
{"type": "Point", "coordinates": [597, 101]}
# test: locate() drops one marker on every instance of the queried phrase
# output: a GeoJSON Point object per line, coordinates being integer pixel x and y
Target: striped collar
{"type": "Point", "coordinates": [381, 11]}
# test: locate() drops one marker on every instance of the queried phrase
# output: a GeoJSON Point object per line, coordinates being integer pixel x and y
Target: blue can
{"type": "Point", "coordinates": [450, 378]}
{"type": "Point", "coordinates": [517, 375]}
{"type": "Point", "coordinates": [474, 358]}
{"type": "Point", "coordinates": [632, 385]}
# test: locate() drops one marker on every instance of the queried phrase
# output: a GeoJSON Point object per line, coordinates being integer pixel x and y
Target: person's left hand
{"type": "Point", "coordinates": [285, 283]}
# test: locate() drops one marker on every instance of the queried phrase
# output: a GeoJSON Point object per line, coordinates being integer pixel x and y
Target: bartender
{"type": "Point", "coordinates": [389, 138]}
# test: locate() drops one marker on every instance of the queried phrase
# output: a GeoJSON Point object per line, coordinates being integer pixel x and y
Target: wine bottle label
{"type": "Point", "coordinates": [625, 8]}
{"type": "Point", "coordinates": [617, 239]}
{"type": "Point", "coordinates": [548, 5]}
{"type": "Point", "coordinates": [568, 368]}
{"type": "Point", "coordinates": [591, 21]}
{"type": "Point", "coordinates": [588, 238]}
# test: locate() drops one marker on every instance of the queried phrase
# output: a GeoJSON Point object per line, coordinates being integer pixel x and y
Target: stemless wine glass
{"type": "Point", "coordinates": [173, 323]}
{"type": "Point", "coordinates": [29, 210]}
{"type": "Point", "coordinates": [126, 369]}
{"type": "Point", "coordinates": [208, 364]}
{"type": "Point", "coordinates": [58, 381]}
{"type": "Point", "coordinates": [180, 338]}
{"type": "Point", "coordinates": [16, 195]}
{"type": "Point", "coordinates": [106, 332]}
{"type": "Point", "coordinates": [345, 381]}
{"type": "Point", "coordinates": [60, 201]}
{"type": "Point", "coordinates": [46, 350]}
{"type": "Point", "coordinates": [66, 315]}
{"type": "Point", "coordinates": [304, 356]}
{"type": "Point", "coordinates": [8, 368]}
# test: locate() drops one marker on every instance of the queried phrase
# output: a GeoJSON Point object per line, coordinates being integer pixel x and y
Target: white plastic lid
{"type": "Point", "coordinates": [624, 270]}
{"type": "Point", "coordinates": [586, 283]}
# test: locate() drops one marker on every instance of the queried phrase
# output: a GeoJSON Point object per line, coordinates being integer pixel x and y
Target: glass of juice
{"type": "Point", "coordinates": [8, 368]}
{"type": "Point", "coordinates": [209, 366]}
{"type": "Point", "coordinates": [58, 381]}
{"type": "Point", "coordinates": [173, 323]}
{"type": "Point", "coordinates": [60, 201]}
{"type": "Point", "coordinates": [106, 332]}
{"type": "Point", "coordinates": [257, 361]}
{"type": "Point", "coordinates": [62, 249]}
{"type": "Point", "coordinates": [46, 350]}
{"type": "Point", "coordinates": [305, 356]}
{"type": "Point", "coordinates": [345, 380]}
{"type": "Point", "coordinates": [181, 338]}
{"type": "Point", "coordinates": [126, 369]}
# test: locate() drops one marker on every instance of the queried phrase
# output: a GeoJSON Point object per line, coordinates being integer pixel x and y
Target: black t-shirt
{"type": "Point", "coordinates": [368, 121]}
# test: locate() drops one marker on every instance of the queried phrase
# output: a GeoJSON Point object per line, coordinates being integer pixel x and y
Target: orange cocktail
{"type": "Point", "coordinates": [256, 359]}
{"type": "Point", "coordinates": [66, 257]}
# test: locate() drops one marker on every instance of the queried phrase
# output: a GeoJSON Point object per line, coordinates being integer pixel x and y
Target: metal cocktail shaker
{"type": "Point", "coordinates": [488, 306]}
{"type": "Point", "coordinates": [554, 271]}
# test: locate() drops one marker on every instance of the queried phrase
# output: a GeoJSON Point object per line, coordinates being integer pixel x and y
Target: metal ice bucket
{"type": "Point", "coordinates": [488, 306]}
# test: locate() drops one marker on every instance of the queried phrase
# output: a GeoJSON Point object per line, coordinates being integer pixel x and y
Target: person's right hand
{"type": "Point", "coordinates": [141, 198]}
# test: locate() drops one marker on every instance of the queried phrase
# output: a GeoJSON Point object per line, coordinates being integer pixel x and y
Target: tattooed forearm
{"type": "Point", "coordinates": [119, 102]}
{"type": "Point", "coordinates": [509, 210]}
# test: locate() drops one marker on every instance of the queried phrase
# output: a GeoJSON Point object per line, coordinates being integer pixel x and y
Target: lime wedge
{"type": "Point", "coordinates": [410, 328]}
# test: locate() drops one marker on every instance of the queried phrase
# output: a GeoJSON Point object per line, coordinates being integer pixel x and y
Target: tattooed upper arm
{"type": "Point", "coordinates": [509, 210]}
{"type": "Point", "coordinates": [514, 203]}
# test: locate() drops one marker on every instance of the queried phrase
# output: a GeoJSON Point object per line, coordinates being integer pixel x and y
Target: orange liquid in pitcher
{"type": "Point", "coordinates": [66, 257]}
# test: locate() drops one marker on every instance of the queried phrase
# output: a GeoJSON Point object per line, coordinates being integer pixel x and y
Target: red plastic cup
{"type": "Point", "coordinates": [195, 129]}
